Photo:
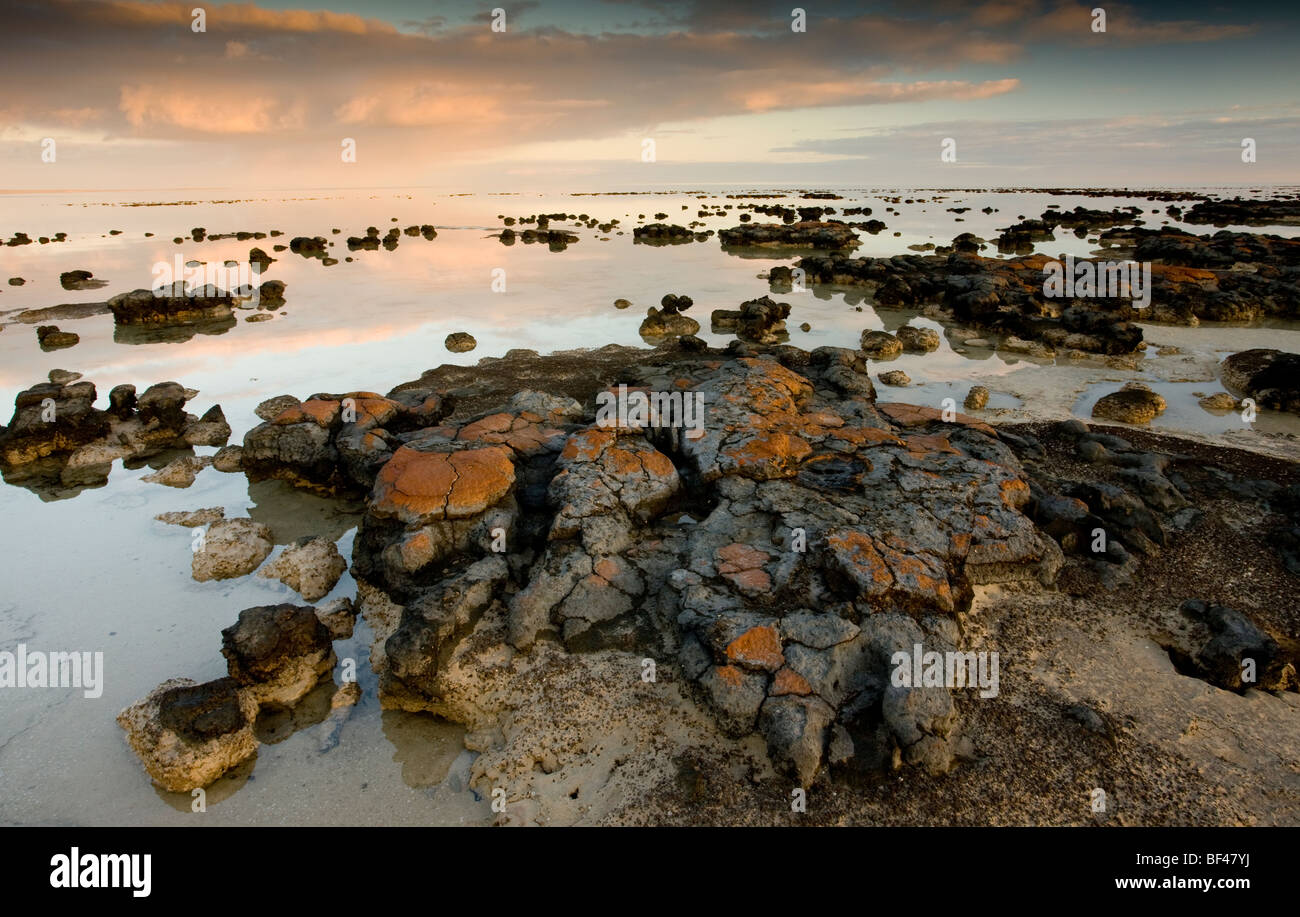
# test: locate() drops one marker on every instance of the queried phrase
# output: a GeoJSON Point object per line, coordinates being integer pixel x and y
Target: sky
{"type": "Point", "coordinates": [630, 94]}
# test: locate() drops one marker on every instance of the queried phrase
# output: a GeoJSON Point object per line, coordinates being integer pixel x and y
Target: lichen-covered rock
{"type": "Point", "coordinates": [417, 487]}
{"type": "Point", "coordinates": [798, 566]}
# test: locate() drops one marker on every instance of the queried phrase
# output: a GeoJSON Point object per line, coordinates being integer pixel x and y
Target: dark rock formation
{"type": "Point", "coordinates": [1270, 377]}
{"type": "Point", "coordinates": [808, 234]}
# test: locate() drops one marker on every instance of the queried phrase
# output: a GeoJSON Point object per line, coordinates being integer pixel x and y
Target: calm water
{"type": "Point", "coordinates": [98, 573]}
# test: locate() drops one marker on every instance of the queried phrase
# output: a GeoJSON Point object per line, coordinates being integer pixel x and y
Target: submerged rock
{"type": "Point", "coordinates": [339, 617]}
{"type": "Point", "coordinates": [179, 472]}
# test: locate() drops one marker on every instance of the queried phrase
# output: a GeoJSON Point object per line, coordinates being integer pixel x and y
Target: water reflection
{"type": "Point", "coordinates": [291, 514]}
{"type": "Point", "coordinates": [426, 746]}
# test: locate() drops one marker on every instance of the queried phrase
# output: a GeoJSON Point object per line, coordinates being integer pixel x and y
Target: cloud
{"type": "Point", "coordinates": [264, 86]}
{"type": "Point", "coordinates": [794, 95]}
{"type": "Point", "coordinates": [208, 111]}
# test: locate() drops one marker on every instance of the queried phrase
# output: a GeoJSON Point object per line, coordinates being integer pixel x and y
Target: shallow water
{"type": "Point", "coordinates": [97, 573]}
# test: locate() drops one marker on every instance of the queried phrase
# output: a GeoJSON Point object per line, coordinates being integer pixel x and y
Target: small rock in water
{"type": "Point", "coordinates": [1219, 401]}
{"type": "Point", "coordinates": [460, 342]}
{"type": "Point", "coordinates": [51, 338]}
{"type": "Point", "coordinates": [977, 398]}
{"type": "Point", "coordinates": [622, 304]}
{"type": "Point", "coordinates": [231, 548]}
{"type": "Point", "coordinates": [881, 345]}
{"type": "Point", "coordinates": [278, 653]}
{"type": "Point", "coordinates": [180, 472]}
{"type": "Point", "coordinates": [80, 280]}
{"type": "Point", "coordinates": [63, 377]}
{"type": "Point", "coordinates": [918, 340]}
{"type": "Point", "coordinates": [1270, 377]}
{"type": "Point", "coordinates": [229, 459]}
{"type": "Point", "coordinates": [895, 377]}
{"type": "Point", "coordinates": [194, 517]}
{"type": "Point", "coordinates": [310, 566]}
{"type": "Point", "coordinates": [1130, 405]}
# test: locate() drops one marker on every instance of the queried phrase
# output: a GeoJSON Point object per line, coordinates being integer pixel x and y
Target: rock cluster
{"type": "Point", "coordinates": [187, 734]}
{"type": "Point", "coordinates": [805, 234]}
{"type": "Point", "coordinates": [668, 321]}
{"type": "Point", "coordinates": [804, 566]}
{"type": "Point", "coordinates": [180, 305]}
{"type": "Point", "coordinates": [334, 442]}
{"type": "Point", "coordinates": [57, 438]}
{"type": "Point", "coordinates": [1002, 295]}
{"type": "Point", "coordinates": [663, 234]}
{"type": "Point", "coordinates": [759, 321]}
{"type": "Point", "coordinates": [1244, 212]}
{"type": "Point", "coordinates": [1224, 277]}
